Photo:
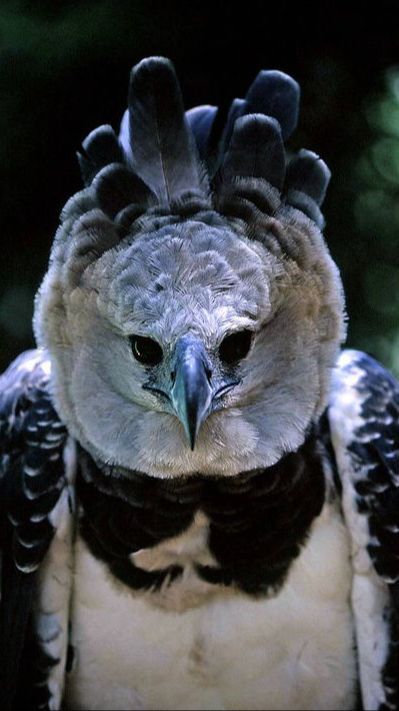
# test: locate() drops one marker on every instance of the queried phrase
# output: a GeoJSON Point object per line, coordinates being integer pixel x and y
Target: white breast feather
{"type": "Point", "coordinates": [230, 650]}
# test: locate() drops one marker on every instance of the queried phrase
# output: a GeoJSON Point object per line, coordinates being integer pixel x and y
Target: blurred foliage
{"type": "Point", "coordinates": [376, 213]}
{"type": "Point", "coordinates": [64, 69]}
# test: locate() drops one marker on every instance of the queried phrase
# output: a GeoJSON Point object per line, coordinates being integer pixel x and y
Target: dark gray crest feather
{"type": "Point", "coordinates": [100, 148]}
{"type": "Point", "coordinates": [118, 187]}
{"type": "Point", "coordinates": [201, 119]}
{"type": "Point", "coordinates": [306, 184]}
{"type": "Point", "coordinates": [256, 150]}
{"type": "Point", "coordinates": [275, 94]}
{"type": "Point", "coordinates": [164, 154]}
{"type": "Point", "coordinates": [155, 158]}
{"type": "Point", "coordinates": [124, 137]}
{"type": "Point", "coordinates": [307, 205]}
{"type": "Point", "coordinates": [236, 110]}
{"type": "Point", "coordinates": [309, 173]}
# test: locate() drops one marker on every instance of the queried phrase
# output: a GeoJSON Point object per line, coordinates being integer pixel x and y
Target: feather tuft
{"type": "Point", "coordinates": [164, 153]}
{"type": "Point", "coordinates": [124, 137]}
{"type": "Point", "coordinates": [308, 172]}
{"type": "Point", "coordinates": [256, 150]}
{"type": "Point", "coordinates": [117, 187]}
{"type": "Point", "coordinates": [100, 148]}
{"type": "Point", "coordinates": [275, 94]}
{"type": "Point", "coordinates": [237, 109]}
{"type": "Point", "coordinates": [306, 184]}
{"type": "Point", "coordinates": [201, 120]}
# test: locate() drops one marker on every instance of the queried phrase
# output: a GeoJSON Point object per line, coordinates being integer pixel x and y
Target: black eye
{"type": "Point", "coordinates": [235, 347]}
{"type": "Point", "coordinates": [145, 350]}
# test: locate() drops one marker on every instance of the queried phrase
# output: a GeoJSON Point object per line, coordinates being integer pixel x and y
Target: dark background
{"type": "Point", "coordinates": [64, 70]}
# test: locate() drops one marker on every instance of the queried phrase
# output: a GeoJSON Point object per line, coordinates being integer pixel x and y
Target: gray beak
{"type": "Point", "coordinates": [191, 393]}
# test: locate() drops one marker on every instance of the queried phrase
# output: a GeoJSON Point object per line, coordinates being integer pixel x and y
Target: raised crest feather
{"type": "Point", "coordinates": [163, 156]}
{"type": "Point", "coordinates": [256, 150]}
{"type": "Point", "coordinates": [100, 148]}
{"type": "Point", "coordinates": [306, 184]}
{"type": "Point", "coordinates": [309, 173]}
{"type": "Point", "coordinates": [272, 93]}
{"type": "Point", "coordinates": [201, 120]}
{"type": "Point", "coordinates": [236, 110]}
{"type": "Point", "coordinates": [117, 187]}
{"type": "Point", "coordinates": [164, 153]}
{"type": "Point", "coordinates": [277, 95]}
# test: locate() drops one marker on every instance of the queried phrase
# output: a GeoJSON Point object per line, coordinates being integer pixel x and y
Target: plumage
{"type": "Point", "coordinates": [256, 151]}
{"type": "Point", "coordinates": [33, 488]}
{"type": "Point", "coordinates": [100, 148]}
{"type": "Point", "coordinates": [237, 110]}
{"type": "Point", "coordinates": [161, 143]}
{"type": "Point", "coordinates": [364, 415]}
{"type": "Point", "coordinates": [117, 187]}
{"type": "Point", "coordinates": [273, 94]}
{"type": "Point", "coordinates": [201, 120]}
{"type": "Point", "coordinates": [306, 184]}
{"type": "Point", "coordinates": [199, 490]}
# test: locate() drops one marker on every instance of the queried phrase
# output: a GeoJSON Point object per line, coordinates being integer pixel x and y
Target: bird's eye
{"type": "Point", "coordinates": [145, 350]}
{"type": "Point", "coordinates": [235, 347]}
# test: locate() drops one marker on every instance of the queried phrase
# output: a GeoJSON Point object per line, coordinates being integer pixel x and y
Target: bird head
{"type": "Point", "coordinates": [191, 310]}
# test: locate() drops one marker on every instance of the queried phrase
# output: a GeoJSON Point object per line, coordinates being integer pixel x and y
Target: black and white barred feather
{"type": "Point", "coordinates": [364, 417]}
{"type": "Point", "coordinates": [35, 498]}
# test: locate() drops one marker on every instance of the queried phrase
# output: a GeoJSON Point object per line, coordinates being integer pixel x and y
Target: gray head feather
{"type": "Point", "coordinates": [148, 251]}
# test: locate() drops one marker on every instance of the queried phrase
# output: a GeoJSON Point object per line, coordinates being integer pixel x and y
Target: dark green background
{"type": "Point", "coordinates": [64, 70]}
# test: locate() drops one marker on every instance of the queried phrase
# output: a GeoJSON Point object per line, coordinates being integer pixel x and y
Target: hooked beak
{"type": "Point", "coordinates": [192, 392]}
{"type": "Point", "coordinates": [194, 395]}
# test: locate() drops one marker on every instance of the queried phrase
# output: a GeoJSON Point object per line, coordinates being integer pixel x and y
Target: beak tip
{"type": "Point", "coordinates": [192, 438]}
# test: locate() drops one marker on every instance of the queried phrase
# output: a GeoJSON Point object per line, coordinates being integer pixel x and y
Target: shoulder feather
{"type": "Point", "coordinates": [33, 490]}
{"type": "Point", "coordinates": [364, 420]}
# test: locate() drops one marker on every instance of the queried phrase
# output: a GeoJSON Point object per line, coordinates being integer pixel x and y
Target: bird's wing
{"type": "Point", "coordinates": [364, 421]}
{"type": "Point", "coordinates": [36, 469]}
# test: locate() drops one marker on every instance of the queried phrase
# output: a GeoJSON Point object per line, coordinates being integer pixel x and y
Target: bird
{"type": "Point", "coordinates": [199, 483]}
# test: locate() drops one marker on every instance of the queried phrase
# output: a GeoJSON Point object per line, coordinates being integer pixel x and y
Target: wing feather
{"type": "Point", "coordinates": [35, 519]}
{"type": "Point", "coordinates": [364, 420]}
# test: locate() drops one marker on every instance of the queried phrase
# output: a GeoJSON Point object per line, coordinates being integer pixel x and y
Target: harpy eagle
{"type": "Point", "coordinates": [199, 492]}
